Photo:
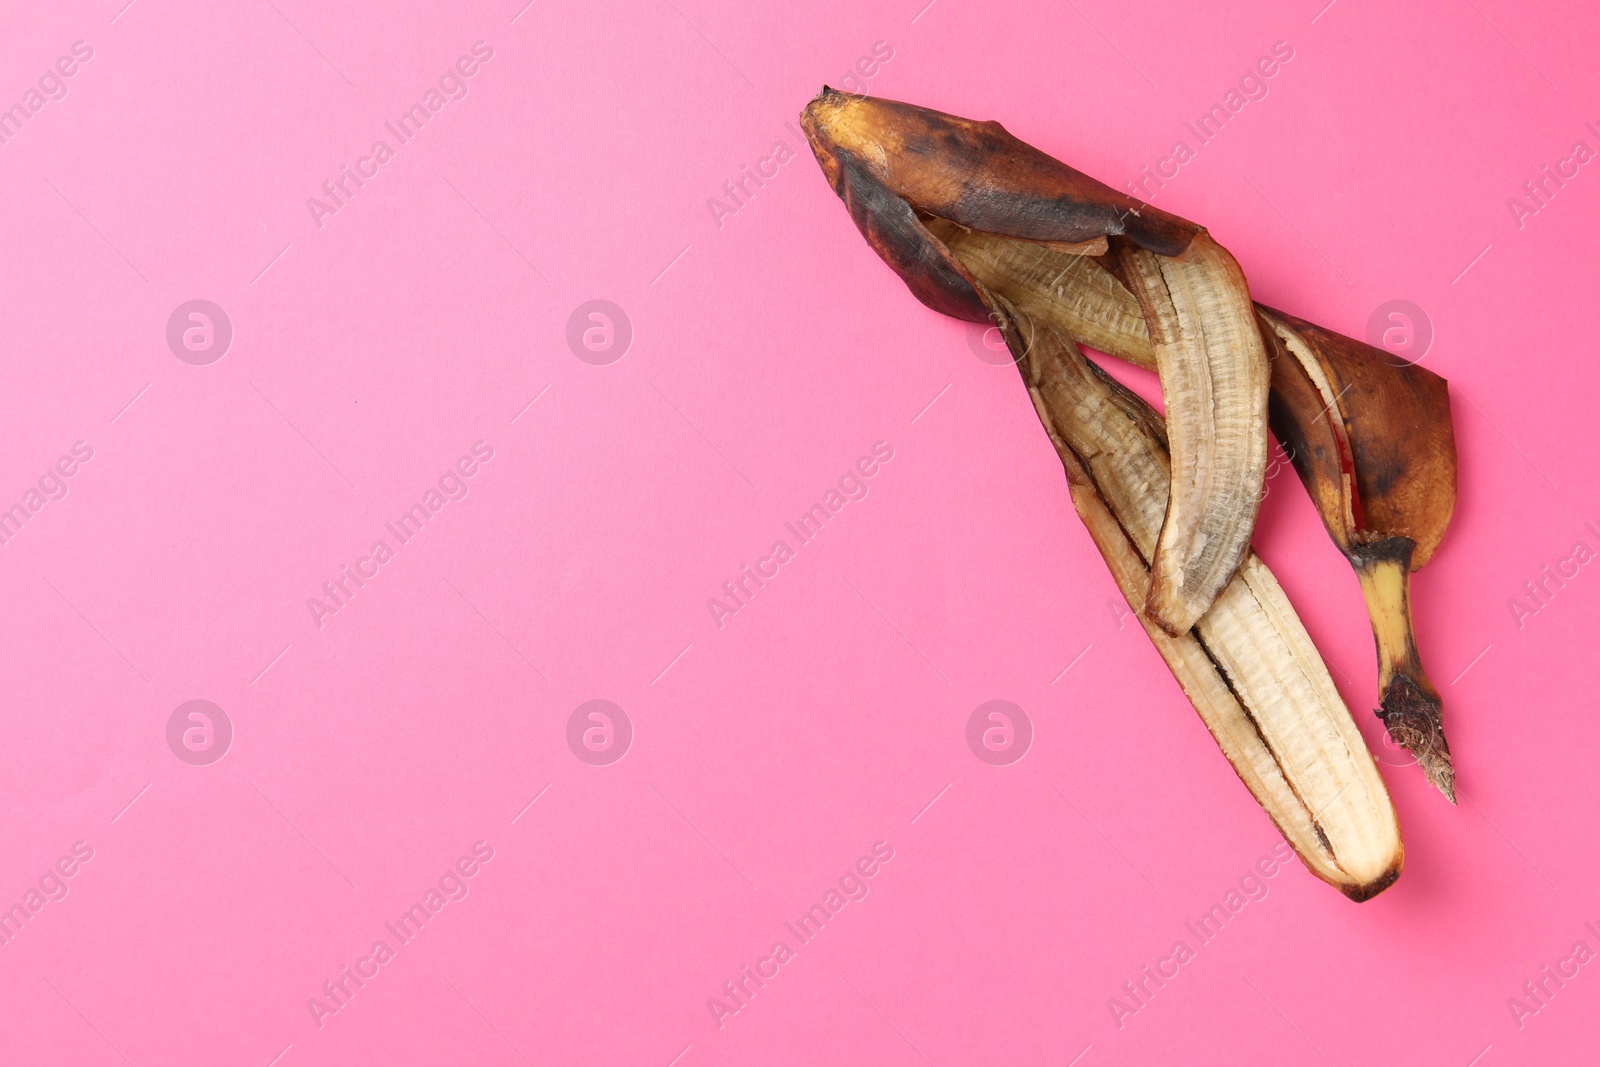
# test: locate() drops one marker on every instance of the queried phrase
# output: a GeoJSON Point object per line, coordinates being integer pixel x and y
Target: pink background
{"type": "Point", "coordinates": [768, 353]}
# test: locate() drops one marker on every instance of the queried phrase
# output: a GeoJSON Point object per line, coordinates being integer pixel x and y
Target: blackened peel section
{"type": "Point", "coordinates": [895, 233]}
{"type": "Point", "coordinates": [1010, 188]}
{"type": "Point", "coordinates": [1390, 549]}
{"type": "Point", "coordinates": [978, 175]}
{"type": "Point", "coordinates": [1401, 436]}
{"type": "Point", "coordinates": [890, 160]}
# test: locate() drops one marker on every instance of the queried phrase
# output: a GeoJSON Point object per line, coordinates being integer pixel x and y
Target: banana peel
{"type": "Point", "coordinates": [1371, 437]}
{"type": "Point", "coordinates": [1247, 666]}
{"type": "Point", "coordinates": [1373, 441]}
{"type": "Point", "coordinates": [1245, 661]}
{"type": "Point", "coordinates": [895, 165]}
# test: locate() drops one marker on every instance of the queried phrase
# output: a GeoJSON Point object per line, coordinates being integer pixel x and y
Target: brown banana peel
{"type": "Point", "coordinates": [961, 208]}
{"type": "Point", "coordinates": [1373, 441]}
{"type": "Point", "coordinates": [1246, 662]}
{"type": "Point", "coordinates": [895, 165]}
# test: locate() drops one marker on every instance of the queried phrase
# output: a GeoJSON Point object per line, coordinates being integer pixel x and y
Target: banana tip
{"type": "Point", "coordinates": [1441, 773]}
{"type": "Point", "coordinates": [1413, 717]}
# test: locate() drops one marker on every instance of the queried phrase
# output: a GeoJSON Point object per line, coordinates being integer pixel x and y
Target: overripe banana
{"type": "Point", "coordinates": [893, 164]}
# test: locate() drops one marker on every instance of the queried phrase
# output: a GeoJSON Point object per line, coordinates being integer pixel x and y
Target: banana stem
{"type": "Point", "coordinates": [1412, 712]}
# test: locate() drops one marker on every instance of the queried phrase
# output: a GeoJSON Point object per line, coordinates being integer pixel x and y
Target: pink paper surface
{"type": "Point", "coordinates": [751, 352]}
